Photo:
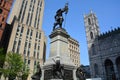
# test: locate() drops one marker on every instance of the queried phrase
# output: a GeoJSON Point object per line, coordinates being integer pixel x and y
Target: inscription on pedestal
{"type": "Point", "coordinates": [68, 74]}
{"type": "Point", "coordinates": [48, 75]}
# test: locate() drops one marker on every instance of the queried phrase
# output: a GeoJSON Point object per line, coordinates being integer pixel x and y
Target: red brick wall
{"type": "Point", "coordinates": [5, 6]}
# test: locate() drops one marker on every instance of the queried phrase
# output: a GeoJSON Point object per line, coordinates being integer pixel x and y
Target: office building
{"type": "Point", "coordinates": [27, 37]}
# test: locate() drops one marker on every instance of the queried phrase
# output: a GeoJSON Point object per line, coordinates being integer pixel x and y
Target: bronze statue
{"type": "Point", "coordinates": [58, 70]}
{"type": "Point", "coordinates": [80, 73]}
{"type": "Point", "coordinates": [59, 18]}
{"type": "Point", "coordinates": [38, 74]}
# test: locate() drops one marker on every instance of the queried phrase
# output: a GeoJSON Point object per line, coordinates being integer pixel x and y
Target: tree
{"type": "Point", "coordinates": [25, 72]}
{"type": "Point", "coordinates": [14, 66]}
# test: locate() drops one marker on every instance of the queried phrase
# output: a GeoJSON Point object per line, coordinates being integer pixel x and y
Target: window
{"type": "Point", "coordinates": [21, 10]}
{"type": "Point", "coordinates": [24, 52]}
{"type": "Point", "coordinates": [31, 19]}
{"type": "Point", "coordinates": [28, 62]}
{"type": "Point", "coordinates": [39, 35]}
{"type": "Point", "coordinates": [14, 45]}
{"type": "Point", "coordinates": [36, 17]}
{"type": "Point", "coordinates": [25, 44]}
{"type": "Point", "coordinates": [22, 29]}
{"type": "Point", "coordinates": [91, 35]}
{"type": "Point", "coordinates": [41, 4]}
{"type": "Point", "coordinates": [36, 34]}
{"type": "Point", "coordinates": [28, 32]}
{"type": "Point", "coordinates": [38, 47]}
{"type": "Point", "coordinates": [34, 62]}
{"type": "Point", "coordinates": [93, 49]}
{"type": "Point", "coordinates": [28, 18]}
{"type": "Point", "coordinates": [89, 22]}
{"type": "Point", "coordinates": [28, 53]}
{"type": "Point", "coordinates": [19, 43]}
{"type": "Point", "coordinates": [35, 46]}
{"type": "Point", "coordinates": [34, 1]}
{"type": "Point", "coordinates": [24, 11]}
{"type": "Point", "coordinates": [29, 45]}
{"type": "Point", "coordinates": [31, 33]}
{"type": "Point", "coordinates": [34, 53]}
{"type": "Point", "coordinates": [37, 55]}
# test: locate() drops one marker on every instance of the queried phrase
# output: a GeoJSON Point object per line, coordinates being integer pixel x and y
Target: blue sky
{"type": "Point", "coordinates": [107, 12]}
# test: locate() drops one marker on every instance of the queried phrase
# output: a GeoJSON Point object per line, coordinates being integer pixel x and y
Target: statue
{"type": "Point", "coordinates": [38, 74]}
{"type": "Point", "coordinates": [80, 73]}
{"type": "Point", "coordinates": [59, 18]}
{"type": "Point", "coordinates": [58, 72]}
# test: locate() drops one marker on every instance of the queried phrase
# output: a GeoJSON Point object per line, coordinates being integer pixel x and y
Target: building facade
{"type": "Point", "coordinates": [27, 37]}
{"type": "Point", "coordinates": [74, 52]}
{"type": "Point", "coordinates": [103, 49]}
{"type": "Point", "coordinates": [5, 6]}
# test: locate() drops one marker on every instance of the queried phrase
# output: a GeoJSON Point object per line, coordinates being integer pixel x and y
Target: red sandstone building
{"type": "Point", "coordinates": [5, 6]}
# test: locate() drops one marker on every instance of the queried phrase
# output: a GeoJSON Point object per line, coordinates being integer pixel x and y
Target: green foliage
{"type": "Point", "coordinates": [25, 72]}
{"type": "Point", "coordinates": [14, 66]}
{"type": "Point", "coordinates": [14, 62]}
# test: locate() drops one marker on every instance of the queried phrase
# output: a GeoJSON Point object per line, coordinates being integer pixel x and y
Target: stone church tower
{"type": "Point", "coordinates": [103, 49]}
{"type": "Point", "coordinates": [92, 32]}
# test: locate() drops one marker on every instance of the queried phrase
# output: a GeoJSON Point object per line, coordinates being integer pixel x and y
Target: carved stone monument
{"type": "Point", "coordinates": [59, 66]}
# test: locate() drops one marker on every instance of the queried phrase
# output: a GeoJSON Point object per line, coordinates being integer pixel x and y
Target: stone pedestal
{"type": "Point", "coordinates": [59, 51]}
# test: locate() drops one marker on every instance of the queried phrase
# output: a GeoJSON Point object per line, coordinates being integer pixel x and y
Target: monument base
{"type": "Point", "coordinates": [59, 66]}
{"type": "Point", "coordinates": [49, 73]}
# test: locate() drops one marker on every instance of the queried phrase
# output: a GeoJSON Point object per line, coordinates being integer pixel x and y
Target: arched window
{"type": "Point", "coordinates": [91, 35]}
{"type": "Point", "coordinates": [93, 49]}
{"type": "Point", "coordinates": [89, 21]}
{"type": "Point", "coordinates": [118, 65]}
{"type": "Point", "coordinates": [110, 74]}
{"type": "Point", "coordinates": [96, 70]}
